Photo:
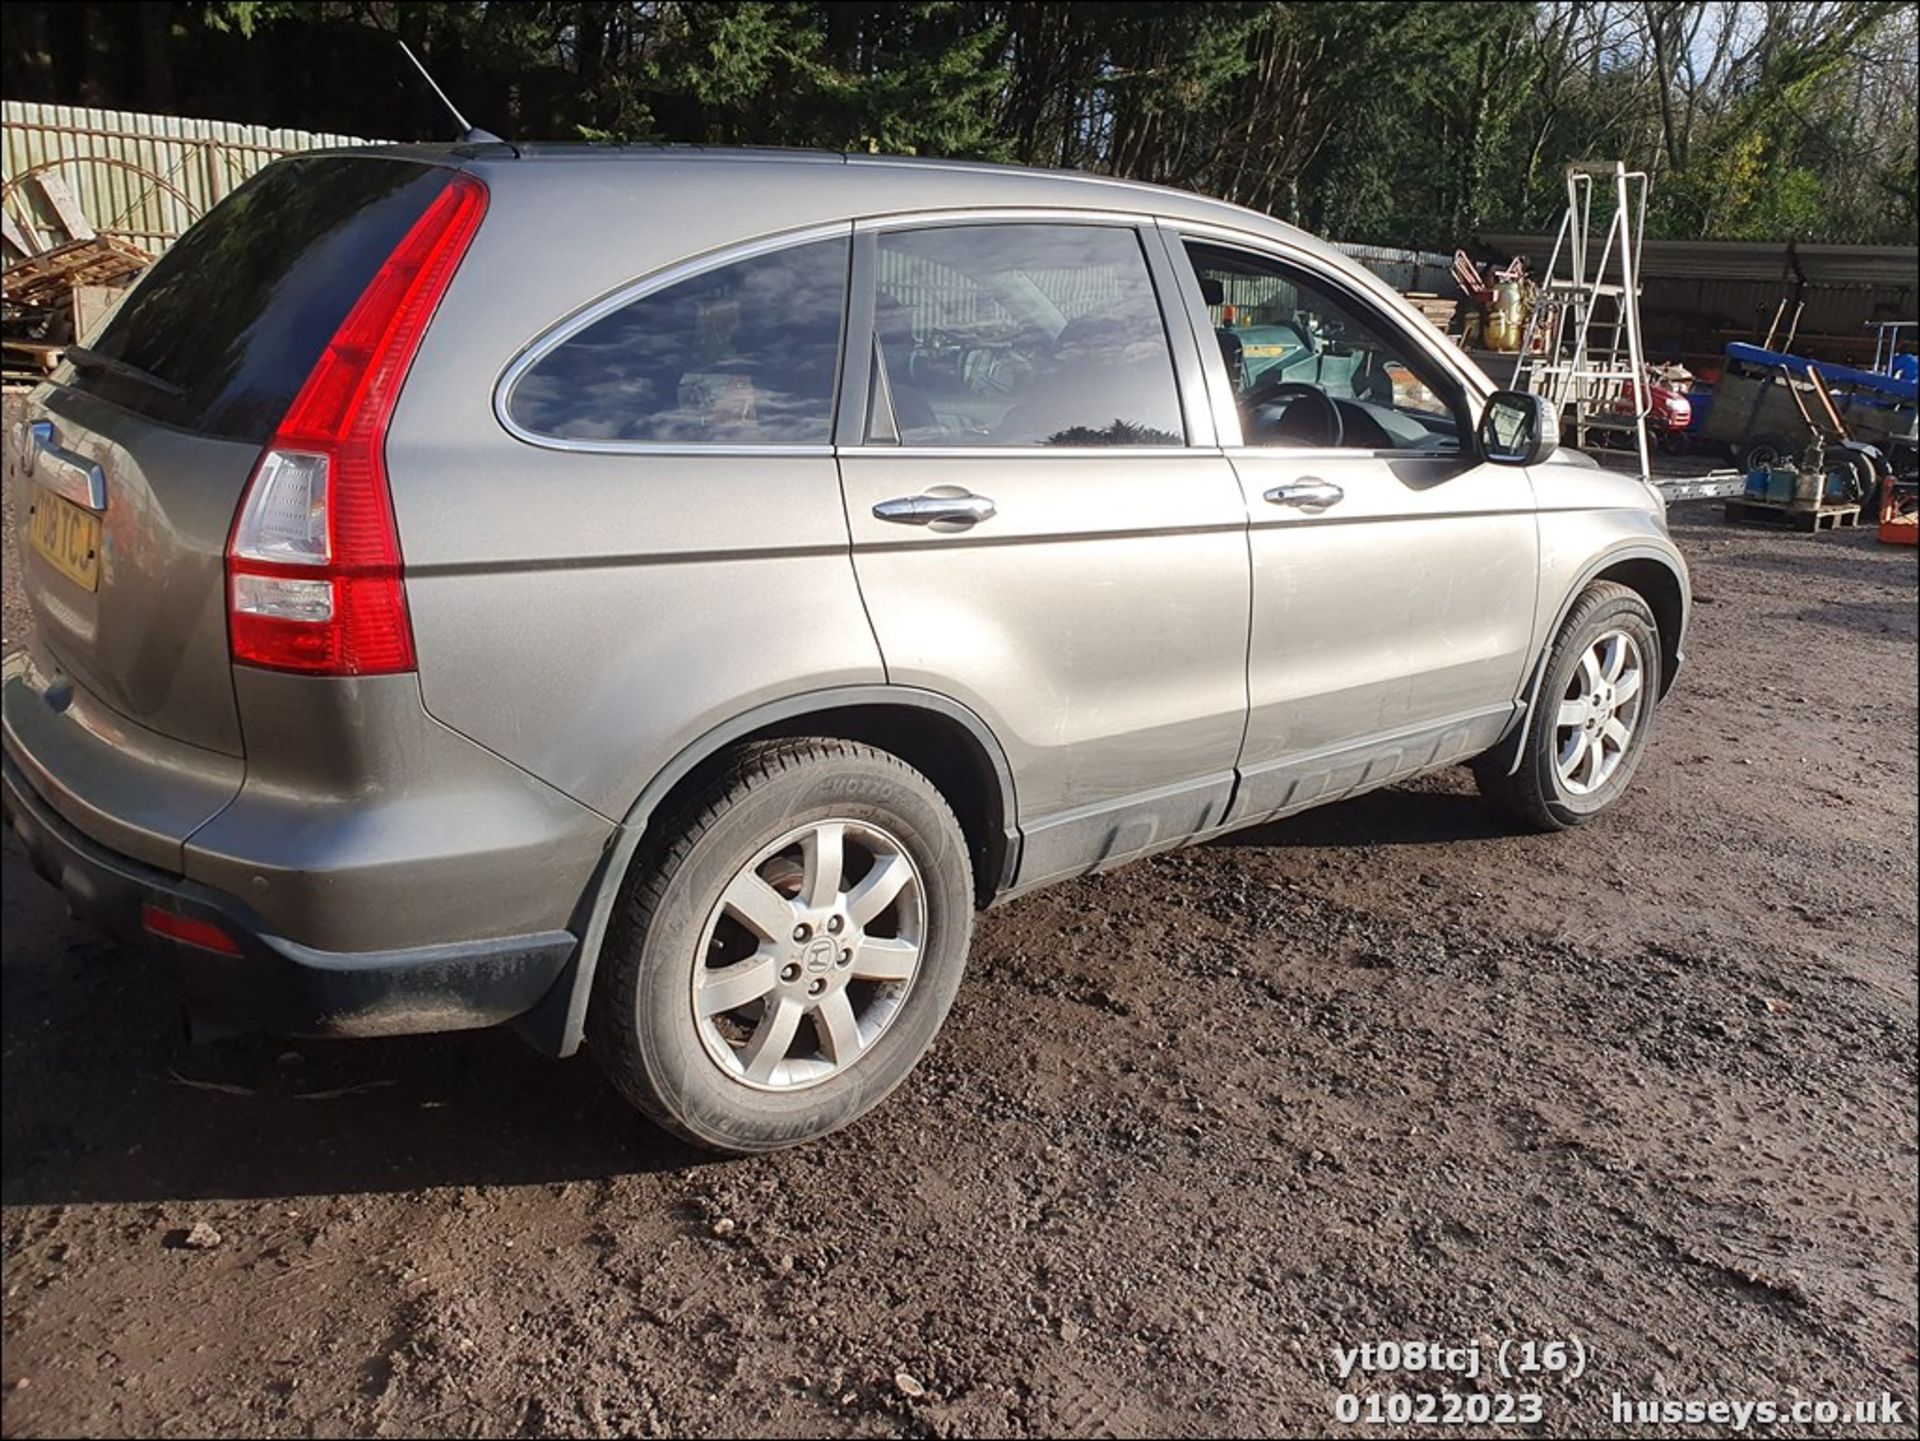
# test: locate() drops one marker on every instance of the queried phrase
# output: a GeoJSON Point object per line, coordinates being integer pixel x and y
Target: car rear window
{"type": "Point", "coordinates": [238, 311]}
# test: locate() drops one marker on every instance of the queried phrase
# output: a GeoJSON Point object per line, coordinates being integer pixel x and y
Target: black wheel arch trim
{"type": "Point", "coordinates": [556, 1025]}
{"type": "Point", "coordinates": [1512, 745]}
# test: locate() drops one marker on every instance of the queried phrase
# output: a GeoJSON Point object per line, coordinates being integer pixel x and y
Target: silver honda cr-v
{"type": "Point", "coordinates": [654, 598]}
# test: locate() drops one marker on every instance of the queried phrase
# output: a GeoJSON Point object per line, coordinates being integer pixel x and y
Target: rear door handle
{"type": "Point", "coordinates": [963, 508]}
{"type": "Point", "coordinates": [1308, 494]}
{"type": "Point", "coordinates": [65, 472]}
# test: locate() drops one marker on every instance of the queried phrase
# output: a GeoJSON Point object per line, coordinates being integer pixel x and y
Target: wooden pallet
{"type": "Point", "coordinates": [32, 354]}
{"type": "Point", "coordinates": [1789, 517]}
{"type": "Point", "coordinates": [1438, 311]}
{"type": "Point", "coordinates": [47, 279]}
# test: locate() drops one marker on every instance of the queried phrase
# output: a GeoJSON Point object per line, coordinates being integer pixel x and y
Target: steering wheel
{"type": "Point", "coordinates": [1272, 392]}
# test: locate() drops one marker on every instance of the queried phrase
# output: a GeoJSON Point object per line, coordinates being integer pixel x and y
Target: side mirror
{"type": "Point", "coordinates": [1518, 429]}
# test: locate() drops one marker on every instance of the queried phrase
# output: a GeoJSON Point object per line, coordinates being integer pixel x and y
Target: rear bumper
{"type": "Point", "coordinates": [356, 823]}
{"type": "Point", "coordinates": [272, 984]}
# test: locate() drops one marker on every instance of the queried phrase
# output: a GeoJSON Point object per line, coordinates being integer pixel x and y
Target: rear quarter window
{"type": "Point", "coordinates": [746, 353]}
{"type": "Point", "coordinates": [238, 311]}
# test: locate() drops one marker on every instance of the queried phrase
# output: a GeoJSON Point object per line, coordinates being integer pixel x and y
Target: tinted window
{"type": "Point", "coordinates": [238, 311]}
{"type": "Point", "coordinates": [1024, 335]}
{"type": "Point", "coordinates": [745, 354]}
{"type": "Point", "coordinates": [1311, 367]}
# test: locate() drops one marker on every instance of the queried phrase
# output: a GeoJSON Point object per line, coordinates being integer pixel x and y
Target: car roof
{"type": "Point", "coordinates": [605, 214]}
{"type": "Point", "coordinates": [858, 176]}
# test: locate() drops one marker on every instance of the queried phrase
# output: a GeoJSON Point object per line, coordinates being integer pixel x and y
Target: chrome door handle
{"type": "Point", "coordinates": [1308, 494]}
{"type": "Point", "coordinates": [65, 472]}
{"type": "Point", "coordinates": [962, 508]}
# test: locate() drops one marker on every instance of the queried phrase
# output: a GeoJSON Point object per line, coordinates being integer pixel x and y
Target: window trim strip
{"type": "Point", "coordinates": [1024, 452]}
{"type": "Point", "coordinates": [1001, 215]}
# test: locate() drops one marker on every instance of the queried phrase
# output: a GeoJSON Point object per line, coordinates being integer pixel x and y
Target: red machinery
{"type": "Point", "coordinates": [1899, 513]}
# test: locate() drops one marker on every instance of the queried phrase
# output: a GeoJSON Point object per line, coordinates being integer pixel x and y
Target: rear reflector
{"type": "Point", "coordinates": [313, 563]}
{"type": "Point", "coordinates": [204, 934]}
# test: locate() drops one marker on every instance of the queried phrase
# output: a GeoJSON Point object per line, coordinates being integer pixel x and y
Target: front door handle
{"type": "Point", "coordinates": [1308, 494]}
{"type": "Point", "coordinates": [958, 509]}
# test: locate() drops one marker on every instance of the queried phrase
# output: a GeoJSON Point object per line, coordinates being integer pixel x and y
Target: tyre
{"type": "Point", "coordinates": [1767, 451]}
{"type": "Point", "coordinates": [1590, 724]}
{"type": "Point", "coordinates": [783, 956]}
{"type": "Point", "coordinates": [1862, 484]}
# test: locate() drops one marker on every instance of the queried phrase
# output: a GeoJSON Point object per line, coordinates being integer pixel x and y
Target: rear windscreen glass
{"type": "Point", "coordinates": [236, 313]}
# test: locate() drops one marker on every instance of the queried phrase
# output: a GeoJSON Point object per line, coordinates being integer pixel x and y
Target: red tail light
{"type": "Point", "coordinates": [313, 563]}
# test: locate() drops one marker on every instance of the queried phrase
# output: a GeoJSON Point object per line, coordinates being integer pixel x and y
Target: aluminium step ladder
{"type": "Point", "coordinates": [1586, 317]}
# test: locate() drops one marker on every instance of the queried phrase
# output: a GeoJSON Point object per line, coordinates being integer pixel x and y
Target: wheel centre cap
{"type": "Point", "coordinates": [819, 955]}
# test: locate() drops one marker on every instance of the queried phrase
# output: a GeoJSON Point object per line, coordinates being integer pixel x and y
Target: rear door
{"type": "Point", "coordinates": [1042, 530]}
{"type": "Point", "coordinates": [1394, 575]}
{"type": "Point", "coordinates": [135, 455]}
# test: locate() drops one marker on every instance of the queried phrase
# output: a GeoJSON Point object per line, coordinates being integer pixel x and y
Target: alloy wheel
{"type": "Point", "coordinates": [1599, 713]}
{"type": "Point", "coordinates": [809, 955]}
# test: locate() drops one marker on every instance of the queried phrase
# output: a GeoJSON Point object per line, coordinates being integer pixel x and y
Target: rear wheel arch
{"type": "Point", "coordinates": [941, 738]}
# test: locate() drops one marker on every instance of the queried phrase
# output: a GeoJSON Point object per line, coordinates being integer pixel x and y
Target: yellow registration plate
{"type": "Point", "coordinates": [68, 537]}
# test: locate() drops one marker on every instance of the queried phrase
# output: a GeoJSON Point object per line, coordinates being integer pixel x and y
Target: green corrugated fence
{"type": "Point", "coordinates": [145, 178]}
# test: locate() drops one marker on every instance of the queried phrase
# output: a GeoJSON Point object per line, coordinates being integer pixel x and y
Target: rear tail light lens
{"type": "Point", "coordinates": [313, 563]}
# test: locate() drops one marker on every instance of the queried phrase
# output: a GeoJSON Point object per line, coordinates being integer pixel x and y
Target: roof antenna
{"type": "Point", "coordinates": [471, 134]}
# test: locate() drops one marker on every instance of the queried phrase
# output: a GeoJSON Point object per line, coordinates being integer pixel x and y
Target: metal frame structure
{"type": "Point", "coordinates": [1586, 317]}
{"type": "Point", "coordinates": [1886, 343]}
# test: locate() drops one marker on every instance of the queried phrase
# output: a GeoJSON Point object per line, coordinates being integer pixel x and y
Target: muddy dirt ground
{"type": "Point", "coordinates": [1385, 1071]}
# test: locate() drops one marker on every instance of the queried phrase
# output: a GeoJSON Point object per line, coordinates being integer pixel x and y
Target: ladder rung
{"type": "Point", "coordinates": [1573, 367]}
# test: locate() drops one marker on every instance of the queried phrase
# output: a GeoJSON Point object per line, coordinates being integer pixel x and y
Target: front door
{"type": "Point", "coordinates": [1394, 575]}
{"type": "Point", "coordinates": [1042, 528]}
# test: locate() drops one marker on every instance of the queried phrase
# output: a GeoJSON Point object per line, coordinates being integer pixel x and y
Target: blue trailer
{"type": "Point", "coordinates": [1762, 424]}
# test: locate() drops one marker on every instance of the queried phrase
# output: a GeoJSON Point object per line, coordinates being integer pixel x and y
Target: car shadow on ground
{"type": "Point", "coordinates": [1394, 817]}
{"type": "Point", "coordinates": [139, 1114]}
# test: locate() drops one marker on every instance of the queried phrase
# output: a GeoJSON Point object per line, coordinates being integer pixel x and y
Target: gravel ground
{"type": "Point", "coordinates": [1386, 1071]}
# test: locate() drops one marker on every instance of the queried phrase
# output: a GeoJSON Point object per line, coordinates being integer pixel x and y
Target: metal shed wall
{"type": "Point", "coordinates": [1699, 294]}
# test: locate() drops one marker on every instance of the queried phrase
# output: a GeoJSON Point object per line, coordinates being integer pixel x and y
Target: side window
{"type": "Point", "coordinates": [1310, 367]}
{"type": "Point", "coordinates": [1023, 334]}
{"type": "Point", "coordinates": [744, 354]}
